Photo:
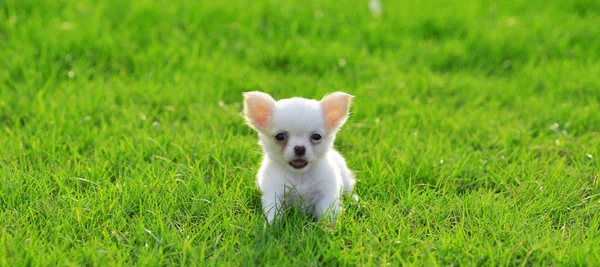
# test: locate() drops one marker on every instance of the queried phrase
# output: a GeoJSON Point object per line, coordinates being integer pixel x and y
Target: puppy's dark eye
{"type": "Point", "coordinates": [281, 137]}
{"type": "Point", "coordinates": [316, 137]}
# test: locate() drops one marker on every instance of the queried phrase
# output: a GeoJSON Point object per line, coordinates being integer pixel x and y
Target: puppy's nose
{"type": "Point", "coordinates": [299, 150]}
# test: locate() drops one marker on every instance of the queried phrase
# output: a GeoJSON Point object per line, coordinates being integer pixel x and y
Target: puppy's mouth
{"type": "Point", "coordinates": [298, 163]}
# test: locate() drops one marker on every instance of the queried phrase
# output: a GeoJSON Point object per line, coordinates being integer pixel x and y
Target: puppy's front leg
{"type": "Point", "coordinates": [272, 202]}
{"type": "Point", "coordinates": [328, 207]}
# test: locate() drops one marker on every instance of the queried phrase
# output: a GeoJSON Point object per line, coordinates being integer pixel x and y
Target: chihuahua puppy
{"type": "Point", "coordinates": [300, 165]}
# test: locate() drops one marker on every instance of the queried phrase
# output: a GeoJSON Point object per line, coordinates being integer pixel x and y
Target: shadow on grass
{"type": "Point", "coordinates": [297, 238]}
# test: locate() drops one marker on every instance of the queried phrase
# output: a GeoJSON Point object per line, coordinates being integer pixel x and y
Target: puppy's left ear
{"type": "Point", "coordinates": [335, 108]}
{"type": "Point", "coordinates": [258, 108]}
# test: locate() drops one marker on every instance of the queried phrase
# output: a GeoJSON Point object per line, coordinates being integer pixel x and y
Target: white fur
{"type": "Point", "coordinates": [320, 184]}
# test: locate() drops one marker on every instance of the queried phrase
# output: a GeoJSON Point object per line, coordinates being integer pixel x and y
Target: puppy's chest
{"type": "Point", "coordinates": [303, 192]}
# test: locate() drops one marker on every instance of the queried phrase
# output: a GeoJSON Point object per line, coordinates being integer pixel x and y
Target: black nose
{"type": "Point", "coordinates": [299, 150]}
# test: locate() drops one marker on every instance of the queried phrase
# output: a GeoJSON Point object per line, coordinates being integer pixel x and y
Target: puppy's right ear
{"type": "Point", "coordinates": [335, 110]}
{"type": "Point", "coordinates": [258, 108]}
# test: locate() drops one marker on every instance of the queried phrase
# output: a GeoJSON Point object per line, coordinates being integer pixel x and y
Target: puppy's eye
{"type": "Point", "coordinates": [281, 137]}
{"type": "Point", "coordinates": [316, 137]}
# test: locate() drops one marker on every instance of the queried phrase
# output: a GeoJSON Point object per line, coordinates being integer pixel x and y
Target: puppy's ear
{"type": "Point", "coordinates": [335, 108]}
{"type": "Point", "coordinates": [258, 108]}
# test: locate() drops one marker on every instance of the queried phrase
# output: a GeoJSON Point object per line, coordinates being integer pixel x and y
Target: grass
{"type": "Point", "coordinates": [474, 133]}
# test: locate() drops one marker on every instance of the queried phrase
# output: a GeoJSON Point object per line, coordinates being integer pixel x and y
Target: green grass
{"type": "Point", "coordinates": [475, 131]}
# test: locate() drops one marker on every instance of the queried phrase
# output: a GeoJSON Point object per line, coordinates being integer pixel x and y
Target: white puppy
{"type": "Point", "coordinates": [300, 165]}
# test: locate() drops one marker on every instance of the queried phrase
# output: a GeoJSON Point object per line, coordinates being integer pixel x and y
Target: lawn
{"type": "Point", "coordinates": [475, 131]}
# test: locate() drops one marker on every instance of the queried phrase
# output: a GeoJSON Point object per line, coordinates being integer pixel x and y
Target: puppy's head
{"type": "Point", "coordinates": [296, 132]}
